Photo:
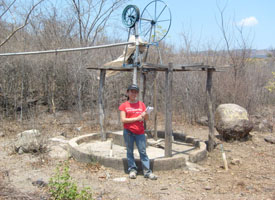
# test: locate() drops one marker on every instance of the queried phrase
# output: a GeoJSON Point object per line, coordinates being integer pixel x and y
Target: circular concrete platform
{"type": "Point", "coordinates": [112, 152]}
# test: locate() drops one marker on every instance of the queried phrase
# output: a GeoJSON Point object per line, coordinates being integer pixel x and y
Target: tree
{"type": "Point", "coordinates": [271, 84]}
{"type": "Point", "coordinates": [91, 17]}
{"type": "Point", "coordinates": [238, 47]}
{"type": "Point", "coordinates": [5, 9]}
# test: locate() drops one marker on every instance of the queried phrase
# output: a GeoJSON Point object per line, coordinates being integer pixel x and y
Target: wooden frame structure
{"type": "Point", "coordinates": [169, 70]}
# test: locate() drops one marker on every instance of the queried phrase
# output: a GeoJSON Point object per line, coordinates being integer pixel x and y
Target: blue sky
{"type": "Point", "coordinates": [199, 19]}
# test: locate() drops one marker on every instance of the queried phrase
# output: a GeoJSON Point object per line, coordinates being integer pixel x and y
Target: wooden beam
{"type": "Point", "coordinates": [101, 104]}
{"type": "Point", "coordinates": [168, 111]}
{"type": "Point", "coordinates": [210, 114]}
{"type": "Point", "coordinates": [162, 67]}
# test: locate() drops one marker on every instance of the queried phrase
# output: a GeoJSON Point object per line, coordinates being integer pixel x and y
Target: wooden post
{"type": "Point", "coordinates": [141, 86]}
{"type": "Point", "coordinates": [168, 111]}
{"type": "Point", "coordinates": [135, 75]}
{"type": "Point", "coordinates": [210, 115]}
{"type": "Point", "coordinates": [101, 104]}
{"type": "Point", "coordinates": [155, 107]}
{"type": "Point", "coordinates": [136, 55]}
{"type": "Point", "coordinates": [144, 87]}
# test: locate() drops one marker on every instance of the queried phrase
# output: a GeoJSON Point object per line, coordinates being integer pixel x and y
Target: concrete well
{"type": "Point", "coordinates": [89, 148]}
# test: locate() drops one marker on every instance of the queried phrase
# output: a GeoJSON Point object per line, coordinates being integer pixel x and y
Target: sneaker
{"type": "Point", "coordinates": [133, 174]}
{"type": "Point", "coordinates": [151, 176]}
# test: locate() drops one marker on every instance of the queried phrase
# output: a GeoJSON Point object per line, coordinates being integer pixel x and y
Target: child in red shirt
{"type": "Point", "coordinates": [132, 114]}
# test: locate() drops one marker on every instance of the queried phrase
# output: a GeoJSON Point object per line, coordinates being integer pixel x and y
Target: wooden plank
{"type": "Point", "coordinates": [179, 66]}
{"type": "Point", "coordinates": [168, 111]}
{"type": "Point", "coordinates": [151, 65]}
{"type": "Point", "coordinates": [111, 68]}
{"type": "Point", "coordinates": [101, 104]}
{"type": "Point", "coordinates": [210, 114]}
{"type": "Point", "coordinates": [161, 67]}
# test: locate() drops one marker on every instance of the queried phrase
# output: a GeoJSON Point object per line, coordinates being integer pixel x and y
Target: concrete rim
{"type": "Point", "coordinates": [158, 164]}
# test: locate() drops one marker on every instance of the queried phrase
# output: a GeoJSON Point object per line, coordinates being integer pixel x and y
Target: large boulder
{"type": "Point", "coordinates": [58, 148]}
{"type": "Point", "coordinates": [232, 122]}
{"type": "Point", "coordinates": [28, 141]}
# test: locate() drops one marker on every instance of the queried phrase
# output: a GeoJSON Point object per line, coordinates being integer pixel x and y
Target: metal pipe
{"type": "Point", "coordinates": [136, 54]}
{"type": "Point", "coordinates": [66, 50]}
{"type": "Point", "coordinates": [126, 49]}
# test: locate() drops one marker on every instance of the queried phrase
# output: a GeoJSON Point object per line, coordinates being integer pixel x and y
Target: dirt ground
{"type": "Point", "coordinates": [251, 173]}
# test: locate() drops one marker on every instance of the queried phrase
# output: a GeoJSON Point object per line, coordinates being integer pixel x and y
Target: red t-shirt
{"type": "Point", "coordinates": [133, 110]}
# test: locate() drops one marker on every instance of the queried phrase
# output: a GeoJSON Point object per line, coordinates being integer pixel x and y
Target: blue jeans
{"type": "Point", "coordinates": [140, 140]}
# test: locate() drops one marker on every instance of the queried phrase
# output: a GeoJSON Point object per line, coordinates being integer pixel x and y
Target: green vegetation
{"type": "Point", "coordinates": [62, 186]}
{"type": "Point", "coordinates": [271, 84]}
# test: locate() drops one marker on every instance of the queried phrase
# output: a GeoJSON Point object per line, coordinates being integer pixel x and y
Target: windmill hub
{"type": "Point", "coordinates": [154, 21]}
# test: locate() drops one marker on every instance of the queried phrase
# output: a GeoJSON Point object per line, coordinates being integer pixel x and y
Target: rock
{"type": "Point", "coordinates": [235, 162]}
{"type": "Point", "coordinates": [208, 188]}
{"type": "Point", "coordinates": [20, 150]}
{"type": "Point", "coordinates": [122, 179]}
{"type": "Point", "coordinates": [2, 134]}
{"type": "Point", "coordinates": [203, 121]}
{"type": "Point", "coordinates": [59, 152]}
{"type": "Point", "coordinates": [59, 139]}
{"type": "Point", "coordinates": [194, 167]}
{"type": "Point", "coordinates": [78, 128]}
{"type": "Point", "coordinates": [270, 139]}
{"type": "Point", "coordinates": [261, 124]}
{"type": "Point", "coordinates": [28, 141]}
{"type": "Point", "coordinates": [39, 183]}
{"type": "Point", "coordinates": [58, 148]}
{"type": "Point", "coordinates": [63, 134]}
{"type": "Point", "coordinates": [232, 123]}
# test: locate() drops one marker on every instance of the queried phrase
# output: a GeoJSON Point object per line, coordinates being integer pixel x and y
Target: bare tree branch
{"type": "Point", "coordinates": [7, 9]}
{"type": "Point", "coordinates": [80, 23]}
{"type": "Point", "coordinates": [22, 26]}
{"type": "Point", "coordinates": [93, 16]}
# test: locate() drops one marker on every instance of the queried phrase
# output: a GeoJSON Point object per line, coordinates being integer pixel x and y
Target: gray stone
{"type": "Point", "coordinates": [261, 124]}
{"type": "Point", "coordinates": [208, 188]}
{"type": "Point", "coordinates": [58, 148]}
{"type": "Point", "coordinates": [203, 121]}
{"type": "Point", "coordinates": [232, 123]}
{"type": "Point", "coordinates": [28, 141]}
{"type": "Point", "coordinates": [20, 150]}
{"type": "Point", "coordinates": [122, 179]}
{"type": "Point", "coordinates": [58, 152]}
{"type": "Point", "coordinates": [270, 139]}
{"type": "Point", "coordinates": [58, 139]}
{"type": "Point", "coordinates": [235, 161]}
{"type": "Point", "coordinates": [39, 183]}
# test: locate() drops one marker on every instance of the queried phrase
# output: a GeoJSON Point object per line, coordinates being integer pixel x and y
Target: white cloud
{"type": "Point", "coordinates": [249, 21]}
